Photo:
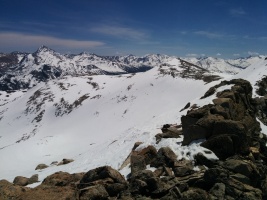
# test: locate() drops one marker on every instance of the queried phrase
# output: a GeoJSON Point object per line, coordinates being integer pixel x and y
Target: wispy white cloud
{"type": "Point", "coordinates": [253, 53]}
{"type": "Point", "coordinates": [194, 55]}
{"type": "Point", "coordinates": [236, 54]}
{"type": "Point", "coordinates": [120, 32]}
{"type": "Point", "coordinates": [218, 54]}
{"type": "Point", "coordinates": [210, 35]}
{"type": "Point", "coordinates": [183, 32]}
{"type": "Point", "coordinates": [263, 38]}
{"type": "Point", "coordinates": [237, 11]}
{"type": "Point", "coordinates": [247, 37]}
{"type": "Point", "coordinates": [13, 39]}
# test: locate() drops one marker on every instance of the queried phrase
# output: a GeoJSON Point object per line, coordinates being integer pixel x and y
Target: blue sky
{"type": "Point", "coordinates": [227, 29]}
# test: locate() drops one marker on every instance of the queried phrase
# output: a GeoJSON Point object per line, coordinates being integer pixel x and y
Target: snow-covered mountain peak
{"type": "Point", "coordinates": [228, 66]}
{"type": "Point", "coordinates": [44, 48]}
{"type": "Point", "coordinates": [44, 52]}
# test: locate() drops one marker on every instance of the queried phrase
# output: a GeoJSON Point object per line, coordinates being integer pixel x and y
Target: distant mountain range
{"type": "Point", "coordinates": [24, 70]}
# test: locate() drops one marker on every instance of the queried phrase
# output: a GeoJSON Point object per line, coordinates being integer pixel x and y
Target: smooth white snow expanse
{"type": "Point", "coordinates": [116, 112]}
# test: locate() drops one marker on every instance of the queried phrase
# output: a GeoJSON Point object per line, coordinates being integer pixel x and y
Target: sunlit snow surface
{"type": "Point", "coordinates": [102, 129]}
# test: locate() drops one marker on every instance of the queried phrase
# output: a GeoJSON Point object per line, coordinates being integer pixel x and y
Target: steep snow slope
{"type": "Point", "coordinates": [254, 73]}
{"type": "Point", "coordinates": [93, 119]}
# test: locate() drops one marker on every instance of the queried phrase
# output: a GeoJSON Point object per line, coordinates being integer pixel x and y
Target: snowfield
{"type": "Point", "coordinates": [96, 120]}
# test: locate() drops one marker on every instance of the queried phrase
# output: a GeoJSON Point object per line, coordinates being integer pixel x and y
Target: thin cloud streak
{"type": "Point", "coordinates": [120, 32]}
{"type": "Point", "coordinates": [10, 39]}
{"type": "Point", "coordinates": [191, 55]}
{"type": "Point", "coordinates": [209, 35]}
{"type": "Point", "coordinates": [253, 53]}
{"type": "Point", "coordinates": [194, 55]}
{"type": "Point", "coordinates": [264, 38]}
{"type": "Point", "coordinates": [237, 12]}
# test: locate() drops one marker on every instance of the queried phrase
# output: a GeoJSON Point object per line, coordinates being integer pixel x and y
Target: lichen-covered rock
{"type": "Point", "coordinates": [65, 161]}
{"type": "Point", "coordinates": [45, 192]}
{"type": "Point", "coordinates": [165, 157]}
{"type": "Point", "coordinates": [195, 194]}
{"type": "Point", "coordinates": [20, 180]}
{"type": "Point", "coordinates": [169, 131]}
{"type": "Point", "coordinates": [62, 179]}
{"type": "Point", "coordinates": [183, 168]}
{"type": "Point", "coordinates": [101, 174]}
{"type": "Point", "coordinates": [149, 153]}
{"type": "Point", "coordinates": [33, 179]}
{"type": "Point", "coordinates": [217, 191]}
{"type": "Point", "coordinates": [41, 166]}
{"type": "Point", "coordinates": [96, 192]}
{"type": "Point", "coordinates": [10, 191]}
{"type": "Point", "coordinates": [54, 163]}
{"type": "Point", "coordinates": [137, 163]}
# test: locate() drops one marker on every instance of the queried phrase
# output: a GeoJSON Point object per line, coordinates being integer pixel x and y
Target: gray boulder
{"type": "Point", "coordinates": [41, 166]}
{"type": "Point", "coordinates": [20, 180]}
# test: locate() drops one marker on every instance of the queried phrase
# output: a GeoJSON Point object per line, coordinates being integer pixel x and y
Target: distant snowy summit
{"type": "Point", "coordinates": [24, 70]}
{"type": "Point", "coordinates": [229, 66]}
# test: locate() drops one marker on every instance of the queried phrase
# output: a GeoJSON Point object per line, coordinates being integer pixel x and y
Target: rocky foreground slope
{"type": "Point", "coordinates": [230, 129]}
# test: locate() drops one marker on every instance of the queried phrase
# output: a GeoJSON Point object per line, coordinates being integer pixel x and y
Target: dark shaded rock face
{"type": "Point", "coordinates": [261, 105]}
{"type": "Point", "coordinates": [262, 86]}
{"type": "Point", "coordinates": [229, 125]}
{"type": "Point", "coordinates": [47, 73]}
{"type": "Point", "coordinates": [9, 83]}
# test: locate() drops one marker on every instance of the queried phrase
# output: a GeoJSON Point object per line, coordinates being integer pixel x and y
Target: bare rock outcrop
{"type": "Point", "coordinates": [229, 125]}
{"type": "Point", "coordinates": [10, 191]}
{"type": "Point", "coordinates": [23, 181]}
{"type": "Point", "coordinates": [61, 186]}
